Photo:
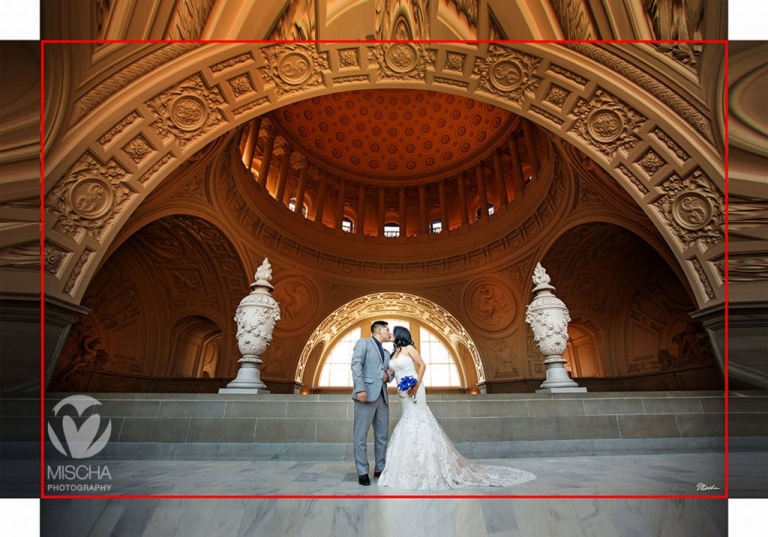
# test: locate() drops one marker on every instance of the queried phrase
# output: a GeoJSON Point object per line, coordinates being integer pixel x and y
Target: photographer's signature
{"type": "Point", "coordinates": [702, 486]}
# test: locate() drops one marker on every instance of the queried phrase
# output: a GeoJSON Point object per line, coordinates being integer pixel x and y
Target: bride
{"type": "Point", "coordinates": [420, 455]}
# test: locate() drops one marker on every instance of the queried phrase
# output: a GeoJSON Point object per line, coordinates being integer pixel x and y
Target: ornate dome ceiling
{"type": "Point", "coordinates": [394, 136]}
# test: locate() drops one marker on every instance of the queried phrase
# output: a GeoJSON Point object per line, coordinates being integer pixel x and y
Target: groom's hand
{"type": "Point", "coordinates": [362, 397]}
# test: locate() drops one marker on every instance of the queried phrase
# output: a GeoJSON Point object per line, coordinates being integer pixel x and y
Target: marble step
{"type": "Point", "coordinates": [264, 425]}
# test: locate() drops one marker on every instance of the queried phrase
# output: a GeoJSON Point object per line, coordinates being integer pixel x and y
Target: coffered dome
{"type": "Point", "coordinates": [397, 136]}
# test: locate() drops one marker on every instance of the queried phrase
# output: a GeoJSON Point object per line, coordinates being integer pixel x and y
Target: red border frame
{"type": "Point", "coordinates": [725, 109]}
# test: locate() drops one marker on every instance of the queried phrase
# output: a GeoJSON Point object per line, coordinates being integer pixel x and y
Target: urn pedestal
{"type": "Point", "coordinates": [255, 317]}
{"type": "Point", "coordinates": [549, 320]}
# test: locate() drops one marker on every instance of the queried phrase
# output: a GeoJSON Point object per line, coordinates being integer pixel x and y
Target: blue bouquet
{"type": "Point", "coordinates": [406, 383]}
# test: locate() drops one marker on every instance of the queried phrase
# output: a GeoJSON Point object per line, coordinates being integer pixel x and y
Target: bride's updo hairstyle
{"type": "Point", "coordinates": [402, 337]}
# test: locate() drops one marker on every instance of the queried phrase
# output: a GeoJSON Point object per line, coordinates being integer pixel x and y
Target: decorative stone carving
{"type": "Point", "coordinates": [455, 62]}
{"type": "Point", "coordinates": [606, 123]}
{"type": "Point", "coordinates": [118, 81]}
{"type": "Point", "coordinates": [89, 197]}
{"type": "Point", "coordinates": [693, 208]}
{"type": "Point", "coordinates": [74, 276]}
{"type": "Point", "coordinates": [232, 62]}
{"type": "Point", "coordinates": [349, 57]}
{"type": "Point", "coordinates": [402, 61]}
{"type": "Point", "coordinates": [54, 258]}
{"type": "Point", "coordinates": [543, 113]}
{"type": "Point", "coordinates": [127, 121]}
{"type": "Point", "coordinates": [138, 148]}
{"type": "Point", "coordinates": [506, 73]}
{"type": "Point", "coordinates": [705, 284]}
{"type": "Point", "coordinates": [187, 110]}
{"type": "Point", "coordinates": [557, 95]}
{"type": "Point", "coordinates": [250, 106]}
{"type": "Point", "coordinates": [674, 20]}
{"type": "Point", "coordinates": [293, 68]}
{"type": "Point", "coordinates": [568, 75]}
{"type": "Point", "coordinates": [156, 167]}
{"type": "Point", "coordinates": [574, 18]}
{"type": "Point", "coordinates": [241, 85]}
{"type": "Point", "coordinates": [255, 317]}
{"type": "Point", "coordinates": [691, 349]}
{"type": "Point", "coordinates": [670, 143]}
{"type": "Point", "coordinates": [682, 107]}
{"type": "Point", "coordinates": [651, 162]}
{"type": "Point", "coordinates": [489, 304]}
{"type": "Point", "coordinates": [549, 319]}
{"type": "Point", "coordinates": [299, 299]}
{"type": "Point", "coordinates": [633, 179]}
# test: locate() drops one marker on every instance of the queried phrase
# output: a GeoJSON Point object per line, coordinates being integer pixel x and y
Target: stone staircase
{"type": "Point", "coordinates": [319, 427]}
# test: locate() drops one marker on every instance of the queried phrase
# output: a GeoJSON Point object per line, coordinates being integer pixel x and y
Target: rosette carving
{"type": "Point", "coordinates": [187, 110]}
{"type": "Point", "coordinates": [402, 61]}
{"type": "Point", "coordinates": [607, 123]}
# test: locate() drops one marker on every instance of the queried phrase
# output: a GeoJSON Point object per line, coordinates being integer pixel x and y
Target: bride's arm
{"type": "Point", "coordinates": [420, 366]}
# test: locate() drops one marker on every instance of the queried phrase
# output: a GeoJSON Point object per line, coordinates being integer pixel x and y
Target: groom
{"type": "Point", "coordinates": [370, 373]}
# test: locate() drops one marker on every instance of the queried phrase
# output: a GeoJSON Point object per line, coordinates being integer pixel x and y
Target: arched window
{"type": "Point", "coordinates": [391, 230]}
{"type": "Point", "coordinates": [292, 207]}
{"type": "Point", "coordinates": [347, 225]}
{"type": "Point", "coordinates": [435, 226]}
{"type": "Point", "coordinates": [490, 211]}
{"type": "Point", "coordinates": [441, 365]}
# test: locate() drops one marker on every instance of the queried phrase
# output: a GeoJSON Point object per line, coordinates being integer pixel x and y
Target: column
{"type": "Point", "coordinates": [518, 181]}
{"type": "Point", "coordinates": [481, 190]}
{"type": "Point", "coordinates": [443, 204]}
{"type": "Point", "coordinates": [282, 181]}
{"type": "Point", "coordinates": [530, 144]}
{"type": "Point", "coordinates": [401, 211]}
{"type": "Point", "coordinates": [320, 200]}
{"type": "Point", "coordinates": [302, 185]}
{"type": "Point", "coordinates": [266, 159]}
{"type": "Point", "coordinates": [501, 185]}
{"type": "Point", "coordinates": [339, 216]}
{"type": "Point", "coordinates": [250, 144]}
{"type": "Point", "coordinates": [463, 209]}
{"type": "Point", "coordinates": [422, 209]}
{"type": "Point", "coordinates": [382, 197]}
{"type": "Point", "coordinates": [360, 208]}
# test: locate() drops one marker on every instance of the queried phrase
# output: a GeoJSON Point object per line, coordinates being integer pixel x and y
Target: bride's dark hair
{"type": "Point", "coordinates": [402, 337]}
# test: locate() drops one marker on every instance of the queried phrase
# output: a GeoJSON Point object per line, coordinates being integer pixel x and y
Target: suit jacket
{"type": "Point", "coordinates": [368, 368]}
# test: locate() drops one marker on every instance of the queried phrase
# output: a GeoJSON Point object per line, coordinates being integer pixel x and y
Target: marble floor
{"type": "Point", "coordinates": [661, 474]}
{"type": "Point", "coordinates": [381, 517]}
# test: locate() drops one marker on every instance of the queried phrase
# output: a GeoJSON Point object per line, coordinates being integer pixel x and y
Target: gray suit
{"type": "Point", "coordinates": [368, 367]}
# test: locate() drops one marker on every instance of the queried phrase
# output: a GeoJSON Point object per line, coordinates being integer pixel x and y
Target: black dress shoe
{"type": "Point", "coordinates": [377, 473]}
{"type": "Point", "coordinates": [364, 480]}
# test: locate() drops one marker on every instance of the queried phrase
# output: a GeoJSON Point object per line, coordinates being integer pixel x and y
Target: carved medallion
{"type": "Point", "coordinates": [506, 75]}
{"type": "Point", "coordinates": [188, 112]}
{"type": "Point", "coordinates": [294, 68]}
{"type": "Point", "coordinates": [401, 57]}
{"type": "Point", "coordinates": [91, 198]}
{"type": "Point", "coordinates": [604, 125]}
{"type": "Point", "coordinates": [490, 304]}
{"type": "Point", "coordinates": [691, 211]}
{"type": "Point", "coordinates": [298, 300]}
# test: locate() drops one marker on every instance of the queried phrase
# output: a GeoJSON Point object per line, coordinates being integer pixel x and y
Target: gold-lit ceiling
{"type": "Point", "coordinates": [394, 135]}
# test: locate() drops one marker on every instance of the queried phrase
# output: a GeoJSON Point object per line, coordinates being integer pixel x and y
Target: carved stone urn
{"type": "Point", "coordinates": [255, 317]}
{"type": "Point", "coordinates": [549, 320]}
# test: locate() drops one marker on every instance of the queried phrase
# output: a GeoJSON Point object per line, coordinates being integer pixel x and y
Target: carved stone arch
{"type": "Point", "coordinates": [651, 139]}
{"type": "Point", "coordinates": [626, 223]}
{"type": "Point", "coordinates": [442, 322]}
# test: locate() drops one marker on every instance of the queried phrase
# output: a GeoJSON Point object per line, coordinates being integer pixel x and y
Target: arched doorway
{"type": "Point", "coordinates": [324, 362]}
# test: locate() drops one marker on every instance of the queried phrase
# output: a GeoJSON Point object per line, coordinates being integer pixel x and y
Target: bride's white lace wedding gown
{"type": "Point", "coordinates": [420, 456]}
